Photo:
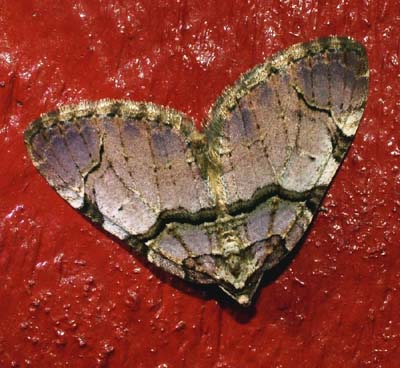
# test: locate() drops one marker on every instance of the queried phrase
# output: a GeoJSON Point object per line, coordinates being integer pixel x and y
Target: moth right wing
{"type": "Point", "coordinates": [275, 141]}
{"type": "Point", "coordinates": [277, 137]}
{"type": "Point", "coordinates": [287, 123]}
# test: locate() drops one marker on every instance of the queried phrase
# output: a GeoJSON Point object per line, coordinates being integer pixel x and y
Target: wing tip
{"type": "Point", "coordinates": [227, 100]}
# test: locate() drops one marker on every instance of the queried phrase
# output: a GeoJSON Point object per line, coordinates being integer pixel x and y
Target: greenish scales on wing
{"type": "Point", "coordinates": [224, 205]}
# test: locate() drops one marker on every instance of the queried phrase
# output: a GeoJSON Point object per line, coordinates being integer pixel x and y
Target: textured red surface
{"type": "Point", "coordinates": [71, 296]}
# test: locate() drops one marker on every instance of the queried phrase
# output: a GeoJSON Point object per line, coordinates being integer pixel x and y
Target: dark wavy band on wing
{"type": "Point", "coordinates": [121, 163]}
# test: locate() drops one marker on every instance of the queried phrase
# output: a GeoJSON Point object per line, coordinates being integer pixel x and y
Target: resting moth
{"type": "Point", "coordinates": [223, 205]}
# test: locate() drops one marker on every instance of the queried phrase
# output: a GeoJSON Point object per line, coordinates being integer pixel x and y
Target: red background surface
{"type": "Point", "coordinates": [71, 296]}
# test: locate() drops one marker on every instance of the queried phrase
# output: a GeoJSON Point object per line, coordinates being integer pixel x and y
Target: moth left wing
{"type": "Point", "coordinates": [128, 166]}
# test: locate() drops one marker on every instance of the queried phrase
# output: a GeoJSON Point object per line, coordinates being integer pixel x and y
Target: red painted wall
{"type": "Point", "coordinates": [72, 296]}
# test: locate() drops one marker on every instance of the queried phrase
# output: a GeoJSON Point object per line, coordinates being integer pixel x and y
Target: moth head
{"type": "Point", "coordinates": [198, 140]}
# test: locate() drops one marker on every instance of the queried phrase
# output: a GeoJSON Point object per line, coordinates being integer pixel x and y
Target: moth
{"type": "Point", "coordinates": [223, 205]}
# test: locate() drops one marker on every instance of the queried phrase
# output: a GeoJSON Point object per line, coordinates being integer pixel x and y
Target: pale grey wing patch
{"type": "Point", "coordinates": [178, 248]}
{"type": "Point", "coordinates": [284, 217]}
{"type": "Point", "coordinates": [135, 142]}
{"type": "Point", "coordinates": [164, 263]}
{"type": "Point", "coordinates": [117, 156]}
{"type": "Point", "coordinates": [195, 238]}
{"type": "Point", "coordinates": [180, 241]}
{"type": "Point", "coordinates": [291, 115]}
{"type": "Point", "coordinates": [171, 248]}
{"type": "Point", "coordinates": [278, 217]}
{"type": "Point", "coordinates": [337, 81]}
{"type": "Point", "coordinates": [320, 80]}
{"type": "Point", "coordinates": [246, 159]}
{"type": "Point", "coordinates": [309, 145]}
{"type": "Point", "coordinates": [269, 106]}
{"type": "Point", "coordinates": [298, 229]}
{"type": "Point", "coordinates": [123, 207]}
{"type": "Point", "coordinates": [259, 223]}
{"type": "Point", "coordinates": [281, 142]}
{"type": "Point", "coordinates": [177, 180]}
{"type": "Point", "coordinates": [77, 148]}
{"type": "Point", "coordinates": [64, 153]}
{"type": "Point", "coordinates": [311, 153]}
{"type": "Point", "coordinates": [63, 156]}
{"type": "Point", "coordinates": [344, 74]}
{"type": "Point", "coordinates": [106, 184]}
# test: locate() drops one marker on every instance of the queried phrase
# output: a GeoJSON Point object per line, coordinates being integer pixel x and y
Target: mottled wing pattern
{"type": "Point", "coordinates": [123, 164]}
{"type": "Point", "coordinates": [224, 205]}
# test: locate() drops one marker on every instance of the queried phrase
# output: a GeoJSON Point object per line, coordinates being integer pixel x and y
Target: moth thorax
{"type": "Point", "coordinates": [230, 243]}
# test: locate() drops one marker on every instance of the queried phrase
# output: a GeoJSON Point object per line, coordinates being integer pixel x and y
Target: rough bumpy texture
{"type": "Point", "coordinates": [71, 295]}
{"type": "Point", "coordinates": [224, 205]}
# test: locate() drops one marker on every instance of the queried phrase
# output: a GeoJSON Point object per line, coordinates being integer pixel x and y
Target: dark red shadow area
{"type": "Point", "coordinates": [72, 296]}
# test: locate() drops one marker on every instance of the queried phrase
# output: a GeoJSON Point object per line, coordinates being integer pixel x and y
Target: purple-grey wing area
{"type": "Point", "coordinates": [289, 122]}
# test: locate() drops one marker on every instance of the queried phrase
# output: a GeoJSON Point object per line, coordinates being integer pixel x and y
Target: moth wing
{"type": "Point", "coordinates": [122, 164]}
{"type": "Point", "coordinates": [267, 234]}
{"type": "Point", "coordinates": [282, 131]}
{"type": "Point", "coordinates": [288, 122]}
